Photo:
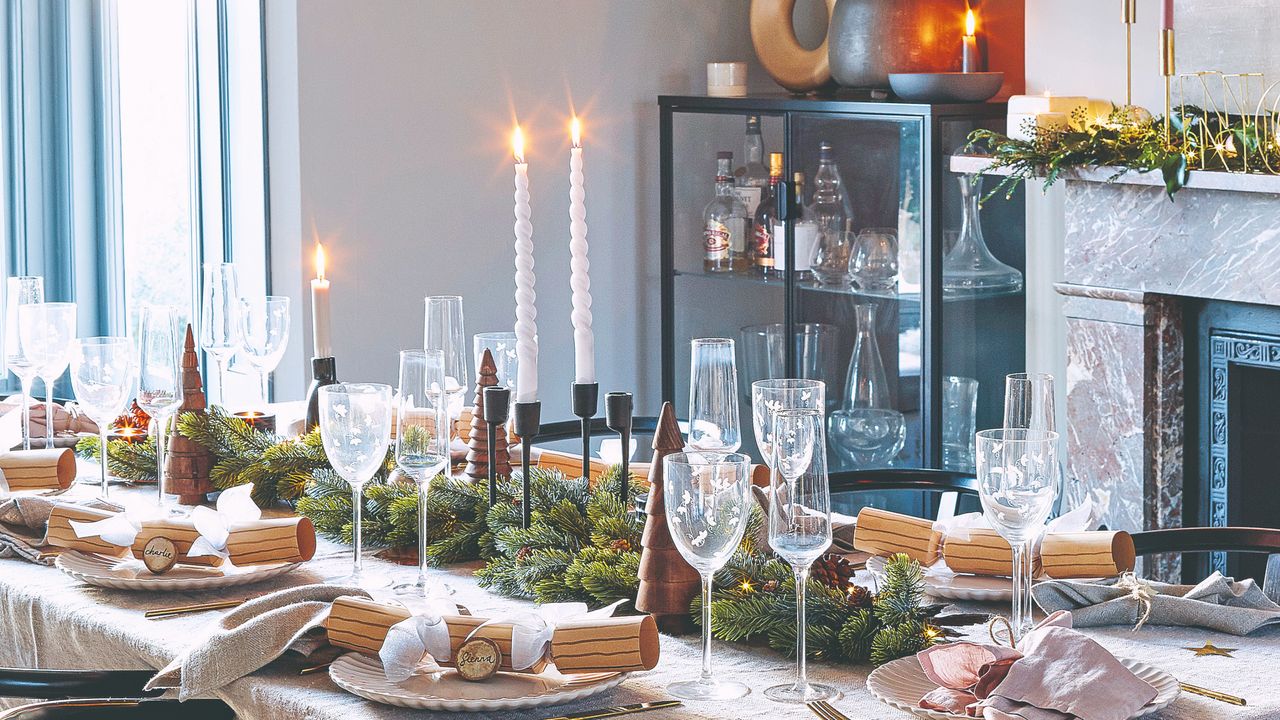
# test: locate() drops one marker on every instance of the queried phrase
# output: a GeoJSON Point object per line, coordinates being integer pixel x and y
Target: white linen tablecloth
{"type": "Point", "coordinates": [49, 620]}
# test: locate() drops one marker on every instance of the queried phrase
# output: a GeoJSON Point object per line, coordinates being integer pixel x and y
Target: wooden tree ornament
{"type": "Point", "coordinates": [188, 463]}
{"type": "Point", "coordinates": [667, 583]}
{"type": "Point", "coordinates": [478, 452]}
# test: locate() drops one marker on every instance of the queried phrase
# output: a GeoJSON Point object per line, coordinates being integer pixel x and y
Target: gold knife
{"type": "Point", "coordinates": [200, 607]}
{"type": "Point", "coordinates": [620, 710]}
{"type": "Point", "coordinates": [1212, 694]}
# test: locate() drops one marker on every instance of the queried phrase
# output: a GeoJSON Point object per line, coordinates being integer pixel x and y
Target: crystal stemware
{"type": "Point", "coordinates": [502, 348]}
{"type": "Point", "coordinates": [800, 526]}
{"type": "Point", "coordinates": [708, 503]}
{"type": "Point", "coordinates": [102, 375]}
{"type": "Point", "coordinates": [23, 290]}
{"type": "Point", "coordinates": [47, 331]}
{"type": "Point", "coordinates": [159, 376]}
{"type": "Point", "coordinates": [422, 442]}
{"type": "Point", "coordinates": [714, 424]}
{"type": "Point", "coordinates": [1018, 483]}
{"type": "Point", "coordinates": [873, 263]}
{"type": "Point", "coordinates": [219, 320]}
{"type": "Point", "coordinates": [443, 331]}
{"type": "Point", "coordinates": [355, 426]}
{"type": "Point", "coordinates": [264, 333]}
{"type": "Point", "coordinates": [769, 397]}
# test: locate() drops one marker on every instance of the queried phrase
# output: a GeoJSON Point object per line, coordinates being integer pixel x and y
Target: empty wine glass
{"type": "Point", "coordinates": [47, 331]}
{"type": "Point", "coordinates": [800, 525]}
{"type": "Point", "coordinates": [19, 291]}
{"type": "Point", "coordinates": [873, 263]}
{"type": "Point", "coordinates": [264, 333]}
{"type": "Point", "coordinates": [1018, 483]}
{"type": "Point", "coordinates": [714, 424]}
{"type": "Point", "coordinates": [502, 348]}
{"type": "Point", "coordinates": [708, 502]}
{"type": "Point", "coordinates": [422, 442]}
{"type": "Point", "coordinates": [355, 426]}
{"type": "Point", "coordinates": [442, 330]}
{"type": "Point", "coordinates": [1028, 401]}
{"type": "Point", "coordinates": [219, 319]}
{"type": "Point", "coordinates": [102, 375]}
{"type": "Point", "coordinates": [159, 376]}
{"type": "Point", "coordinates": [768, 397]}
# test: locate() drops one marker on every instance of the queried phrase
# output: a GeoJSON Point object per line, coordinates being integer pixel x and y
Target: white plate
{"type": "Point", "coordinates": [363, 676]}
{"type": "Point", "coordinates": [131, 574]}
{"type": "Point", "coordinates": [902, 683]}
{"type": "Point", "coordinates": [976, 588]}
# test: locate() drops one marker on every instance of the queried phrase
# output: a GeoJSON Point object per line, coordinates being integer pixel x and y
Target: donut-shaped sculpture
{"type": "Point", "coordinates": [773, 33]}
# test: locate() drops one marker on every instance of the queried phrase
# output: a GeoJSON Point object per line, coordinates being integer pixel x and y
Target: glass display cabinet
{"type": "Point", "coordinates": [863, 261]}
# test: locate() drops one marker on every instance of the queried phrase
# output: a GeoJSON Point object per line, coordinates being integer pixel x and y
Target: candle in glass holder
{"type": "Point", "coordinates": [131, 435]}
{"type": "Point", "coordinates": [264, 422]}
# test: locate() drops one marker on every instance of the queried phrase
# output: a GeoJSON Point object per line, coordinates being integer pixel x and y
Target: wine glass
{"type": "Point", "coordinates": [355, 426]}
{"type": "Point", "coordinates": [708, 502]}
{"type": "Point", "coordinates": [19, 291]}
{"type": "Point", "coordinates": [502, 348]}
{"type": "Point", "coordinates": [768, 397]}
{"type": "Point", "coordinates": [714, 425]}
{"type": "Point", "coordinates": [1028, 401]}
{"type": "Point", "coordinates": [219, 322]}
{"type": "Point", "coordinates": [1018, 483]}
{"type": "Point", "coordinates": [47, 331]}
{"type": "Point", "coordinates": [442, 330]}
{"type": "Point", "coordinates": [159, 376]}
{"type": "Point", "coordinates": [102, 375]}
{"type": "Point", "coordinates": [422, 442]}
{"type": "Point", "coordinates": [800, 525]}
{"type": "Point", "coordinates": [264, 333]}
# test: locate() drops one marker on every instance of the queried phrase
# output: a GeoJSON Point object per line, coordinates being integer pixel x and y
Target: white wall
{"type": "Point", "coordinates": [404, 111]}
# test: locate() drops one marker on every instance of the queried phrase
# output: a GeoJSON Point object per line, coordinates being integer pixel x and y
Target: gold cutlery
{"type": "Point", "coordinates": [199, 607]}
{"type": "Point", "coordinates": [315, 668]}
{"type": "Point", "coordinates": [1212, 694]}
{"type": "Point", "coordinates": [620, 710]}
{"type": "Point", "coordinates": [826, 710]}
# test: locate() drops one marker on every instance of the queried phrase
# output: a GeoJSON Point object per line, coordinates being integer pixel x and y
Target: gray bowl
{"type": "Point", "coordinates": [946, 87]}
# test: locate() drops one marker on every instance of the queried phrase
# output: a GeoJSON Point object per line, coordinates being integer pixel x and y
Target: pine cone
{"type": "Point", "coordinates": [523, 553]}
{"type": "Point", "coordinates": [859, 597]}
{"type": "Point", "coordinates": [833, 571]}
{"type": "Point", "coordinates": [621, 545]}
{"type": "Point", "coordinates": [769, 586]}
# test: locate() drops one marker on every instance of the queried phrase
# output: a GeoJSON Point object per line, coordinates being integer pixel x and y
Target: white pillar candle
{"type": "Point", "coordinates": [1046, 103]}
{"type": "Point", "coordinates": [526, 299]}
{"type": "Point", "coordinates": [1020, 126]}
{"type": "Point", "coordinates": [584, 343]}
{"type": "Point", "coordinates": [321, 343]}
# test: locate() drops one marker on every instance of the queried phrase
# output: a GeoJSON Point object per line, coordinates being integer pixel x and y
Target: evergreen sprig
{"type": "Point", "coordinates": [135, 462]}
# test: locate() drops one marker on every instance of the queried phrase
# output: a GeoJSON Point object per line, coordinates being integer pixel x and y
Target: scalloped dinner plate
{"type": "Point", "coordinates": [131, 574]}
{"type": "Point", "coordinates": [975, 588]}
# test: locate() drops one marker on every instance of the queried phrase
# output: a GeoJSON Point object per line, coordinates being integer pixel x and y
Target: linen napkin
{"type": "Point", "coordinates": [249, 637]}
{"type": "Point", "coordinates": [24, 518]}
{"type": "Point", "coordinates": [1217, 603]}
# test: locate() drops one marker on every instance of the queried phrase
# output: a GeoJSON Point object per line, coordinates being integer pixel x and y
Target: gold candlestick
{"type": "Point", "coordinates": [1130, 16]}
{"type": "Point", "coordinates": [1168, 69]}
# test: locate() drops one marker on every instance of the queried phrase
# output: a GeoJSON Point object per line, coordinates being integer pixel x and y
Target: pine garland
{"type": "Point", "coordinates": [135, 462]}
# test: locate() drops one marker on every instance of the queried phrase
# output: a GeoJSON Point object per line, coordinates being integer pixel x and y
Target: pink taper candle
{"type": "Point", "coordinates": [1166, 18]}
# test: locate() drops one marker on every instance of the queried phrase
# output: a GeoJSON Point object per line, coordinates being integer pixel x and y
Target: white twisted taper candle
{"type": "Point", "coordinates": [526, 298]}
{"type": "Point", "coordinates": [584, 343]}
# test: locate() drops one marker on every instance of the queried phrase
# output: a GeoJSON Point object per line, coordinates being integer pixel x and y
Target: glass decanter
{"type": "Point", "coordinates": [830, 211]}
{"type": "Point", "coordinates": [867, 430]}
{"type": "Point", "coordinates": [969, 267]}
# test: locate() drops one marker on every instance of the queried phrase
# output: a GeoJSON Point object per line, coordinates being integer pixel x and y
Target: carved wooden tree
{"type": "Point", "coordinates": [478, 453]}
{"type": "Point", "coordinates": [667, 583]}
{"type": "Point", "coordinates": [188, 463]}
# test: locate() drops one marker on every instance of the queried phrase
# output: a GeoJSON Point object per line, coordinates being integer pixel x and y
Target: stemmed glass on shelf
{"type": "Point", "coordinates": [19, 291]}
{"type": "Point", "coordinates": [219, 319]}
{"type": "Point", "coordinates": [264, 333]}
{"type": "Point", "coordinates": [422, 442]}
{"type": "Point", "coordinates": [714, 424]}
{"type": "Point", "coordinates": [47, 331]}
{"type": "Point", "coordinates": [708, 502]}
{"type": "Point", "coordinates": [102, 375]}
{"type": "Point", "coordinates": [159, 376]}
{"type": "Point", "coordinates": [443, 331]}
{"type": "Point", "coordinates": [355, 426]}
{"type": "Point", "coordinates": [800, 525]}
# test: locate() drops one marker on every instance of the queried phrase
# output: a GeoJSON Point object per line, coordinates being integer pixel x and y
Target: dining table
{"type": "Point", "coordinates": [51, 620]}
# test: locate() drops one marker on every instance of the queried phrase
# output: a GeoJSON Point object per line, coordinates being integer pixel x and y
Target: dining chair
{"type": "Point", "coordinates": [949, 484]}
{"type": "Point", "coordinates": [1218, 539]}
{"type": "Point", "coordinates": [107, 694]}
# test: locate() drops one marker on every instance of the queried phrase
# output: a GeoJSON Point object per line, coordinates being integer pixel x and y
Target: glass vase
{"type": "Point", "coordinates": [867, 430]}
{"type": "Point", "coordinates": [969, 266]}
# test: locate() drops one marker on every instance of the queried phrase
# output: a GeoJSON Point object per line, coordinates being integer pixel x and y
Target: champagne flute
{"type": "Point", "coordinates": [1029, 404]}
{"type": "Point", "coordinates": [502, 348]}
{"type": "Point", "coordinates": [714, 425]}
{"type": "Point", "coordinates": [20, 291]}
{"type": "Point", "coordinates": [1018, 483]}
{"type": "Point", "coordinates": [159, 376]}
{"type": "Point", "coordinates": [708, 502]}
{"type": "Point", "coordinates": [422, 443]}
{"type": "Point", "coordinates": [102, 375]}
{"type": "Point", "coordinates": [219, 323]}
{"type": "Point", "coordinates": [768, 397]}
{"type": "Point", "coordinates": [800, 526]}
{"type": "Point", "coordinates": [47, 331]}
{"type": "Point", "coordinates": [355, 426]}
{"type": "Point", "coordinates": [264, 333]}
{"type": "Point", "coordinates": [442, 330]}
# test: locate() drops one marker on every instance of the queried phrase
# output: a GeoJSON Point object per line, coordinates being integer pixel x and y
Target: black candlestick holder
{"type": "Point", "coordinates": [497, 401]}
{"type": "Point", "coordinates": [324, 371]}
{"type": "Point", "coordinates": [617, 416]}
{"type": "Point", "coordinates": [527, 423]}
{"type": "Point", "coordinates": [586, 398]}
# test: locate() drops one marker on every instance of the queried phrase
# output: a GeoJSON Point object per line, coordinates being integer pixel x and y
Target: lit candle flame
{"type": "Point", "coordinates": [319, 261]}
{"type": "Point", "coordinates": [517, 145]}
{"type": "Point", "coordinates": [575, 129]}
{"type": "Point", "coordinates": [970, 23]}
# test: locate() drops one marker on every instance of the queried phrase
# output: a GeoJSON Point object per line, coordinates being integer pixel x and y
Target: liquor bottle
{"type": "Point", "coordinates": [829, 211]}
{"type": "Point", "coordinates": [753, 177]}
{"type": "Point", "coordinates": [725, 222]}
{"type": "Point", "coordinates": [765, 220]}
{"type": "Point", "coordinates": [803, 230]}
